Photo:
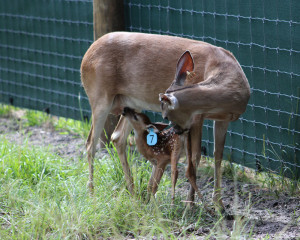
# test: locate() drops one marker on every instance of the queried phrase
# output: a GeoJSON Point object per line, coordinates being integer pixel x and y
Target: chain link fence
{"type": "Point", "coordinates": [264, 35]}
{"type": "Point", "coordinates": [42, 43]}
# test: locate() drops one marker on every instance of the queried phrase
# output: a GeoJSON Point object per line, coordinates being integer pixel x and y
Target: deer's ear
{"type": "Point", "coordinates": [185, 65]}
{"type": "Point", "coordinates": [164, 98]}
{"type": "Point", "coordinates": [169, 99]}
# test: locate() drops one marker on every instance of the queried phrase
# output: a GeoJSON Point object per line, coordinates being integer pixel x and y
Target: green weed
{"type": "Point", "coordinates": [277, 181]}
{"type": "Point", "coordinates": [66, 126]}
{"type": "Point", "coordinates": [5, 110]}
{"type": "Point", "coordinates": [38, 118]}
{"type": "Point", "coordinates": [43, 196]}
{"type": "Point", "coordinates": [35, 118]}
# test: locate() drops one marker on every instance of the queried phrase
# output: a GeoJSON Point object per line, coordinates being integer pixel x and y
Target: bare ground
{"type": "Point", "coordinates": [265, 213]}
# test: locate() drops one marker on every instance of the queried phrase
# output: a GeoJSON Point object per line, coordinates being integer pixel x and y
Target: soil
{"type": "Point", "coordinates": [266, 213]}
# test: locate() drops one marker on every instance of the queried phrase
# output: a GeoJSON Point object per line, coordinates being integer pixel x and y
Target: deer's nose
{"type": "Point", "coordinates": [166, 118]}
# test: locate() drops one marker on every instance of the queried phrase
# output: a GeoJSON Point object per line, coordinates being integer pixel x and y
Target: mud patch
{"type": "Point", "coordinates": [69, 146]}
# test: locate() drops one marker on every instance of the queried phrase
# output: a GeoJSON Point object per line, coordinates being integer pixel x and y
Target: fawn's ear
{"type": "Point", "coordinates": [160, 126]}
{"type": "Point", "coordinates": [149, 126]}
{"type": "Point", "coordinates": [185, 66]}
{"type": "Point", "coordinates": [169, 99]}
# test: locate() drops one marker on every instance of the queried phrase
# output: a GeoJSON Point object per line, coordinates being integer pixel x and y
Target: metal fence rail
{"type": "Point", "coordinates": [42, 43]}
{"type": "Point", "coordinates": [264, 36]}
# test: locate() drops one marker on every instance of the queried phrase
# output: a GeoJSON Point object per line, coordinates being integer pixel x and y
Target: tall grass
{"type": "Point", "coordinates": [5, 109]}
{"type": "Point", "coordinates": [42, 196]}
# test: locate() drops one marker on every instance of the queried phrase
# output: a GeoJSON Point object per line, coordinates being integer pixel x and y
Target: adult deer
{"type": "Point", "coordinates": [222, 95]}
{"type": "Point", "coordinates": [130, 70]}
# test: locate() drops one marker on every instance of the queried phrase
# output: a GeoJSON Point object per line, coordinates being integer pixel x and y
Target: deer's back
{"type": "Point", "coordinates": [137, 66]}
{"type": "Point", "coordinates": [148, 58]}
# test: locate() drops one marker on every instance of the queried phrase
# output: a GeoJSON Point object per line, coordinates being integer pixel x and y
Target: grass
{"type": "Point", "coordinates": [35, 118]}
{"type": "Point", "coordinates": [5, 109]}
{"type": "Point", "coordinates": [44, 196]}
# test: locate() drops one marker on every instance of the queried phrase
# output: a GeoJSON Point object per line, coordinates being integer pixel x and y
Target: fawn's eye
{"type": "Point", "coordinates": [135, 117]}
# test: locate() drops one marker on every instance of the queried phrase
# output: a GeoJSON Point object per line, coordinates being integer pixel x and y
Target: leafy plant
{"type": "Point", "coordinates": [5, 109]}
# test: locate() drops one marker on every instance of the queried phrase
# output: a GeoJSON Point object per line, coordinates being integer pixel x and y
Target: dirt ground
{"type": "Point", "coordinates": [266, 214]}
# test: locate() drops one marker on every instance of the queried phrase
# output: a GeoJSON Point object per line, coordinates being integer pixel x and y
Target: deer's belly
{"type": "Point", "coordinates": [138, 105]}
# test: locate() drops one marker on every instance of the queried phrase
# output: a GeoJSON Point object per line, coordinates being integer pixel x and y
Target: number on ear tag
{"type": "Point", "coordinates": [151, 137]}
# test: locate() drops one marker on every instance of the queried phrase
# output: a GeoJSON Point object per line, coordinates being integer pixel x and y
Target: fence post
{"type": "Point", "coordinates": [108, 17]}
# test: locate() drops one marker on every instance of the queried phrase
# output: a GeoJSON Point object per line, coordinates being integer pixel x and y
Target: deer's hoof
{"type": "Point", "coordinates": [189, 205]}
{"type": "Point", "coordinates": [90, 187]}
{"type": "Point", "coordinates": [228, 216]}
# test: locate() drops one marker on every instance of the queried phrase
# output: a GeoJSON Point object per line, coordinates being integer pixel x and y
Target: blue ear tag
{"type": "Point", "coordinates": [151, 137]}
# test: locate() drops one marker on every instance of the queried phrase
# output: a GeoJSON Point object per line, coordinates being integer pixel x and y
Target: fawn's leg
{"type": "Point", "coordinates": [157, 173]}
{"type": "Point", "coordinates": [175, 155]}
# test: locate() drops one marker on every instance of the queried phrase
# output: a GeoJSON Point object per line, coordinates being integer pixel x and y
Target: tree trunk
{"type": "Point", "coordinates": [108, 17]}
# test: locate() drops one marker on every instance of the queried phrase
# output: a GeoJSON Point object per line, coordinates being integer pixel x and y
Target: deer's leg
{"type": "Point", "coordinates": [196, 137]}
{"type": "Point", "coordinates": [220, 129]}
{"type": "Point", "coordinates": [109, 126]}
{"type": "Point", "coordinates": [91, 149]}
{"type": "Point", "coordinates": [99, 115]}
{"type": "Point", "coordinates": [191, 168]}
{"type": "Point", "coordinates": [119, 138]}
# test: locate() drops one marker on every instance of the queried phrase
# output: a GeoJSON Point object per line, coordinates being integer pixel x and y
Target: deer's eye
{"type": "Point", "coordinates": [135, 117]}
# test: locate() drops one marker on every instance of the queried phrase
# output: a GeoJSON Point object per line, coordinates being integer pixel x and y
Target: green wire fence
{"type": "Point", "coordinates": [42, 43]}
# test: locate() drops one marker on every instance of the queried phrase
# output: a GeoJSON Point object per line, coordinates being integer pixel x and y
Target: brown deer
{"type": "Point", "coordinates": [222, 96]}
{"type": "Point", "coordinates": [131, 69]}
{"type": "Point", "coordinates": [167, 150]}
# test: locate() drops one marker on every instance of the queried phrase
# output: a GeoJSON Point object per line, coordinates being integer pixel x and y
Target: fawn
{"type": "Point", "coordinates": [168, 148]}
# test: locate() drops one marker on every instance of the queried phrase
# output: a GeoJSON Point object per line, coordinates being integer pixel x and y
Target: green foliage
{"type": "Point", "coordinates": [67, 126]}
{"type": "Point", "coordinates": [44, 196]}
{"type": "Point", "coordinates": [35, 118]}
{"type": "Point", "coordinates": [5, 109]}
{"type": "Point", "coordinates": [38, 191]}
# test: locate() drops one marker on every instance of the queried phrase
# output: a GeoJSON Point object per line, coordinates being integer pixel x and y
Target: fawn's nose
{"type": "Point", "coordinates": [125, 110]}
{"type": "Point", "coordinates": [128, 111]}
